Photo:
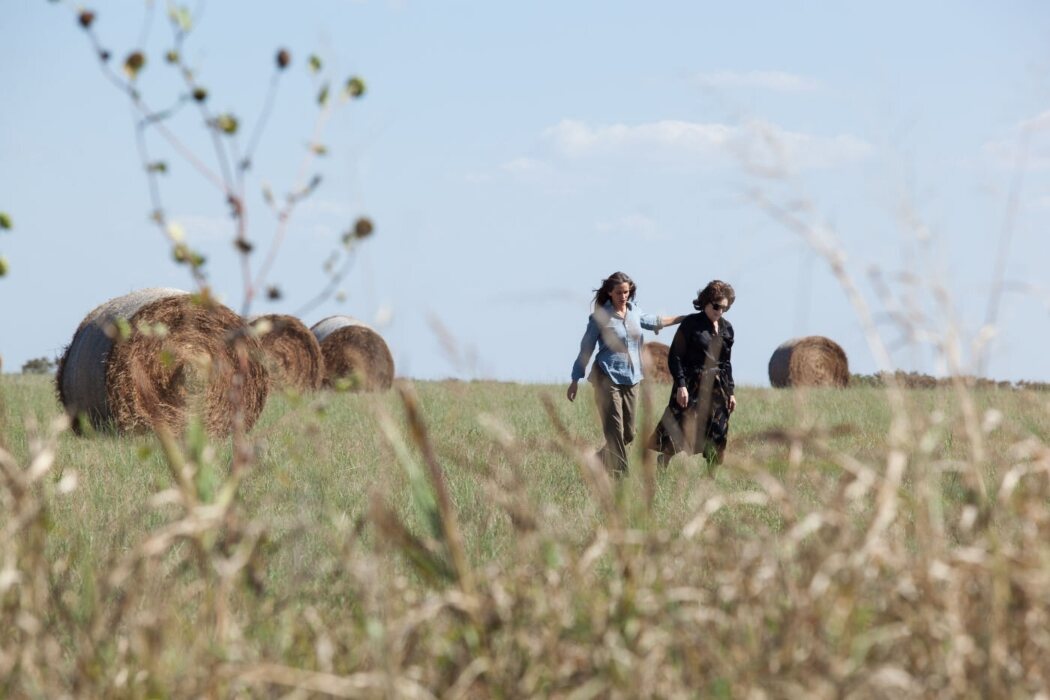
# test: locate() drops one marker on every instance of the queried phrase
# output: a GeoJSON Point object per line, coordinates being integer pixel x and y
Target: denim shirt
{"type": "Point", "coordinates": [619, 343]}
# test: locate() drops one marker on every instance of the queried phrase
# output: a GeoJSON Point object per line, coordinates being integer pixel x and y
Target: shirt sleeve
{"type": "Point", "coordinates": [590, 338]}
{"type": "Point", "coordinates": [650, 322]}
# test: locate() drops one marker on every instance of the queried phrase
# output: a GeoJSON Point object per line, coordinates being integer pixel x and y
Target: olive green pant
{"type": "Point", "coordinates": [616, 407]}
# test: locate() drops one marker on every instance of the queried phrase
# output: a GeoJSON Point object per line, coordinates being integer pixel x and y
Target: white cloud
{"type": "Point", "coordinates": [757, 145]}
{"type": "Point", "coordinates": [521, 166]}
{"type": "Point", "coordinates": [328, 207]}
{"type": "Point", "coordinates": [636, 226]}
{"type": "Point", "coordinates": [1027, 145]}
{"type": "Point", "coordinates": [577, 139]}
{"type": "Point", "coordinates": [530, 171]}
{"type": "Point", "coordinates": [777, 81]}
{"type": "Point", "coordinates": [766, 146]}
{"type": "Point", "coordinates": [200, 227]}
{"type": "Point", "coordinates": [1039, 122]}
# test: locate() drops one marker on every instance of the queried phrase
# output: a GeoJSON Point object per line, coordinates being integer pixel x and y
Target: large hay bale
{"type": "Point", "coordinates": [654, 363]}
{"type": "Point", "coordinates": [810, 361]}
{"type": "Point", "coordinates": [153, 356]}
{"type": "Point", "coordinates": [354, 352]}
{"type": "Point", "coordinates": [293, 355]}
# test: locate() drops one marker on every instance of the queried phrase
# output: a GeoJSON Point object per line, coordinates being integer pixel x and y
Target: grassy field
{"type": "Point", "coordinates": [458, 540]}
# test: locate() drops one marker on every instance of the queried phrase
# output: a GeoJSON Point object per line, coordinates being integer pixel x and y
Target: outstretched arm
{"type": "Point", "coordinates": [654, 323]}
{"type": "Point", "coordinates": [587, 343]}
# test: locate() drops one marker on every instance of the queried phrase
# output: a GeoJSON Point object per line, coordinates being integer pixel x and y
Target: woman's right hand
{"type": "Point", "coordinates": [571, 393]}
{"type": "Point", "coordinates": [682, 396]}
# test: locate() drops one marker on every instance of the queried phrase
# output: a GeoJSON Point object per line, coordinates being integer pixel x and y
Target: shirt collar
{"type": "Point", "coordinates": [609, 307]}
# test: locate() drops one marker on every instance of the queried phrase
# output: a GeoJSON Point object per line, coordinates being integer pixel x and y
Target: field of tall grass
{"type": "Point", "coordinates": [458, 539]}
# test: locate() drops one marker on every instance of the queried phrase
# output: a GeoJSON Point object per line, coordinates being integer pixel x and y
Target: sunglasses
{"type": "Point", "coordinates": [719, 307]}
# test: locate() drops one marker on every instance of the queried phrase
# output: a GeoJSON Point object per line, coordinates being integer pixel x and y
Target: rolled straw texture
{"type": "Point", "coordinates": [654, 362]}
{"type": "Point", "coordinates": [355, 352]}
{"type": "Point", "coordinates": [810, 361]}
{"type": "Point", "coordinates": [293, 355]}
{"type": "Point", "coordinates": [205, 361]}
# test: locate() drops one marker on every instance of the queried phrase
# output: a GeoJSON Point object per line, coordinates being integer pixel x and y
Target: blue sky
{"type": "Point", "coordinates": [513, 155]}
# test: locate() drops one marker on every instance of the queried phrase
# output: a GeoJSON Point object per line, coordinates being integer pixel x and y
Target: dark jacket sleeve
{"type": "Point", "coordinates": [676, 355]}
{"type": "Point", "coordinates": [727, 362]}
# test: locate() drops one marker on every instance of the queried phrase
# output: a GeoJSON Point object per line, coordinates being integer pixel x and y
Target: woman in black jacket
{"type": "Point", "coordinates": [697, 416]}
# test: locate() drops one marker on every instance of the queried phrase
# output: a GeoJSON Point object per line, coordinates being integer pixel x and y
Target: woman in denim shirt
{"type": "Point", "coordinates": [616, 327]}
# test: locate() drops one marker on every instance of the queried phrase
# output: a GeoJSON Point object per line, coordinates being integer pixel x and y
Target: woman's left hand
{"type": "Point", "coordinates": [732, 404]}
{"type": "Point", "coordinates": [682, 396]}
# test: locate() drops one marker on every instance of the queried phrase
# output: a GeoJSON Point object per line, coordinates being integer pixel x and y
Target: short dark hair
{"type": "Point", "coordinates": [601, 294]}
{"type": "Point", "coordinates": [715, 289]}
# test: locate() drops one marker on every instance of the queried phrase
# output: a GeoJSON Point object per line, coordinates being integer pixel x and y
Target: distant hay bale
{"type": "Point", "coordinates": [293, 355]}
{"type": "Point", "coordinates": [152, 356]}
{"type": "Point", "coordinates": [654, 363]}
{"type": "Point", "coordinates": [810, 361]}
{"type": "Point", "coordinates": [354, 352]}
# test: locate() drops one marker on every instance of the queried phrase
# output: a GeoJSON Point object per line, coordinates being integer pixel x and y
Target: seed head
{"type": "Point", "coordinates": [134, 63]}
{"type": "Point", "coordinates": [363, 228]}
{"type": "Point", "coordinates": [355, 86]}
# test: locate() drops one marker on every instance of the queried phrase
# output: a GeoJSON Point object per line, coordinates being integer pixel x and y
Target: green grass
{"type": "Point", "coordinates": [320, 459]}
{"type": "Point", "coordinates": [590, 592]}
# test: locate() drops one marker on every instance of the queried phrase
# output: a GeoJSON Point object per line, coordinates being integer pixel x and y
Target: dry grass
{"type": "Point", "coordinates": [474, 556]}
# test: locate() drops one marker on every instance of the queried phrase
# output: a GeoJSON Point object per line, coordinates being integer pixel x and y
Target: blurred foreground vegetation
{"type": "Point", "coordinates": [455, 539]}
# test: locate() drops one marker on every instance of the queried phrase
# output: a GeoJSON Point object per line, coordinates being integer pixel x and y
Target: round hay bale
{"type": "Point", "coordinates": [153, 356]}
{"type": "Point", "coordinates": [293, 355]}
{"type": "Point", "coordinates": [810, 361]}
{"type": "Point", "coordinates": [654, 362]}
{"type": "Point", "coordinates": [354, 352]}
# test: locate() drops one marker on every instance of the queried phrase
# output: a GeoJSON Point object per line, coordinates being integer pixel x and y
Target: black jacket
{"type": "Point", "coordinates": [696, 346]}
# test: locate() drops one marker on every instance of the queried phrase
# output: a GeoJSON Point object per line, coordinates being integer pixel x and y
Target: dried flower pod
{"type": "Point", "coordinates": [134, 63]}
{"type": "Point", "coordinates": [363, 228]}
{"type": "Point", "coordinates": [355, 86]}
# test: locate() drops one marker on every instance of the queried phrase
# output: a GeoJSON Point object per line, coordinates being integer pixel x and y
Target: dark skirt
{"type": "Point", "coordinates": [702, 426]}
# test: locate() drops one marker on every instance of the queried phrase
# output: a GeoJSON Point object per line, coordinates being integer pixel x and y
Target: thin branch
{"type": "Point", "coordinates": [1009, 223]}
{"type": "Point", "coordinates": [285, 214]}
{"type": "Point", "coordinates": [330, 288]}
{"type": "Point", "coordinates": [253, 141]}
{"type": "Point", "coordinates": [155, 197]}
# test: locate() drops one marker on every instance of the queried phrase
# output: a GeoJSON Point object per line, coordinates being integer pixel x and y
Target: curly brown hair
{"type": "Point", "coordinates": [715, 289]}
{"type": "Point", "coordinates": [601, 294]}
